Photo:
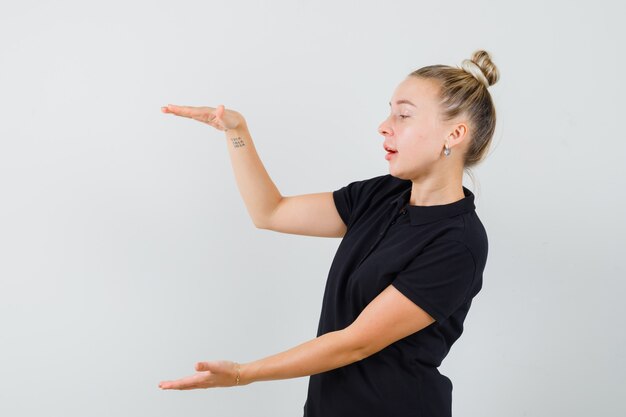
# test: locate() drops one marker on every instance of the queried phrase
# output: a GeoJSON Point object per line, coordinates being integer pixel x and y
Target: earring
{"type": "Point", "coordinates": [446, 150]}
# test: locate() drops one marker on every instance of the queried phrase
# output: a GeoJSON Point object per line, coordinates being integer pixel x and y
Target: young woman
{"type": "Point", "coordinates": [411, 258]}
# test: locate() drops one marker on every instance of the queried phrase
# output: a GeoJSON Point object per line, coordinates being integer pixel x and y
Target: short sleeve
{"type": "Point", "coordinates": [439, 279]}
{"type": "Point", "coordinates": [345, 198]}
{"type": "Point", "coordinates": [349, 197]}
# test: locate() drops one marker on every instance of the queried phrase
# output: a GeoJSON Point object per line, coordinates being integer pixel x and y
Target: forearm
{"type": "Point", "coordinates": [328, 351]}
{"type": "Point", "coordinates": [257, 189]}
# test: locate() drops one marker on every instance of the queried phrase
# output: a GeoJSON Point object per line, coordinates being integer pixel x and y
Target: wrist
{"type": "Point", "coordinates": [245, 374]}
{"type": "Point", "coordinates": [241, 126]}
{"type": "Point", "coordinates": [238, 376]}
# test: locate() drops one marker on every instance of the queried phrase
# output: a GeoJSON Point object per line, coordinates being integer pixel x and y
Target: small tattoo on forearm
{"type": "Point", "coordinates": [238, 142]}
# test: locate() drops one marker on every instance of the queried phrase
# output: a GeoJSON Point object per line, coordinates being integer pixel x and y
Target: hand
{"type": "Point", "coordinates": [219, 118]}
{"type": "Point", "coordinates": [210, 375]}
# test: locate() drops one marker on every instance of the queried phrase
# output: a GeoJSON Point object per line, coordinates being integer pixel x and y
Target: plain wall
{"type": "Point", "coordinates": [126, 251]}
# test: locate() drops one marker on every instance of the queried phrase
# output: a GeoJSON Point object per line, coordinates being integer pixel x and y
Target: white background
{"type": "Point", "coordinates": [127, 254]}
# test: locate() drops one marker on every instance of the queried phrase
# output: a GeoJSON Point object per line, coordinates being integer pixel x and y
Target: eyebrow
{"type": "Point", "coordinates": [403, 102]}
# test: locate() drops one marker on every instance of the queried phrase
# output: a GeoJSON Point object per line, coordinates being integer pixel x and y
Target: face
{"type": "Point", "coordinates": [413, 129]}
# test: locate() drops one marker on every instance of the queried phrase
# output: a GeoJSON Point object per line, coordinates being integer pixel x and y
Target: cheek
{"type": "Point", "coordinates": [415, 140]}
{"type": "Point", "coordinates": [418, 146]}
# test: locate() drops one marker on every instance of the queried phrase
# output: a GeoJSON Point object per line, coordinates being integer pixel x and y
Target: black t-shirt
{"type": "Point", "coordinates": [435, 256]}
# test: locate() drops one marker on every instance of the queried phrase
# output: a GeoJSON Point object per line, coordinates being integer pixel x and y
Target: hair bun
{"type": "Point", "coordinates": [482, 68]}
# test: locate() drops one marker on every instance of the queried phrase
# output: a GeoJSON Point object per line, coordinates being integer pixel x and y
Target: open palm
{"type": "Point", "coordinates": [219, 117]}
{"type": "Point", "coordinates": [210, 374]}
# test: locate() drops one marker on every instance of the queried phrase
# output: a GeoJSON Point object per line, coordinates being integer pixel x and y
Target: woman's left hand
{"type": "Point", "coordinates": [210, 375]}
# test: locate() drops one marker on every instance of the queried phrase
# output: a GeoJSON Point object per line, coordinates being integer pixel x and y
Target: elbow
{"type": "Point", "coordinates": [259, 221]}
{"type": "Point", "coordinates": [361, 353]}
{"type": "Point", "coordinates": [260, 224]}
{"type": "Point", "coordinates": [263, 221]}
{"type": "Point", "coordinates": [357, 350]}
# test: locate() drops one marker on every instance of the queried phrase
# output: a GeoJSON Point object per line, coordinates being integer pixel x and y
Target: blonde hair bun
{"type": "Point", "coordinates": [482, 68]}
{"type": "Point", "coordinates": [461, 94]}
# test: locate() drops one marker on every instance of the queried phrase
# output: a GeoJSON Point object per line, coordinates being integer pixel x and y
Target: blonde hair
{"type": "Point", "coordinates": [463, 91]}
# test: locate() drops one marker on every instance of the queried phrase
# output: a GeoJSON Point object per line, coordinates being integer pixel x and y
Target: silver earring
{"type": "Point", "coordinates": [446, 150]}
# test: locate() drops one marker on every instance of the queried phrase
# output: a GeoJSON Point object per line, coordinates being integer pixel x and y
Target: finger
{"type": "Point", "coordinates": [168, 385]}
{"type": "Point", "coordinates": [184, 111]}
{"type": "Point", "coordinates": [165, 385]}
{"type": "Point", "coordinates": [189, 382]}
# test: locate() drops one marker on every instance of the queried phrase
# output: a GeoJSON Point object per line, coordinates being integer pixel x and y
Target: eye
{"type": "Point", "coordinates": [402, 116]}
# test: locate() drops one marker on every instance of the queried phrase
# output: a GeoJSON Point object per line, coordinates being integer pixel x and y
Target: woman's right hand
{"type": "Point", "coordinates": [219, 118]}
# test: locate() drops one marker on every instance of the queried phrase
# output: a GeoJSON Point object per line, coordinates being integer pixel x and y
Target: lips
{"type": "Point", "coordinates": [389, 149]}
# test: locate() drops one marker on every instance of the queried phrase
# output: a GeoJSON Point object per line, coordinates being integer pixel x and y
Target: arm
{"type": "Point", "coordinates": [388, 318]}
{"type": "Point", "coordinates": [257, 189]}
{"type": "Point", "coordinates": [310, 214]}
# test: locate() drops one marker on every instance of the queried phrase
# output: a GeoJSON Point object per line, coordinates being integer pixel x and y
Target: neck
{"type": "Point", "coordinates": [435, 193]}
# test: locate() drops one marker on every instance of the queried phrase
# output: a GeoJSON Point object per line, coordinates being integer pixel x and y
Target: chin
{"type": "Point", "coordinates": [407, 175]}
{"type": "Point", "coordinates": [397, 173]}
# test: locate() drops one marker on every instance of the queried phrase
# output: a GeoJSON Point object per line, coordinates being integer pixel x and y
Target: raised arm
{"type": "Point", "coordinates": [309, 214]}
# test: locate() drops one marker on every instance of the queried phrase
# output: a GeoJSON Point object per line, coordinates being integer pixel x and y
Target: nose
{"type": "Point", "coordinates": [384, 128]}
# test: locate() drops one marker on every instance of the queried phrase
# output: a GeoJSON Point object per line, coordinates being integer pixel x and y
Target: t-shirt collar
{"type": "Point", "coordinates": [427, 214]}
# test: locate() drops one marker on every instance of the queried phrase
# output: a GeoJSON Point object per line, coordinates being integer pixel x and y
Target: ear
{"type": "Point", "coordinates": [459, 133]}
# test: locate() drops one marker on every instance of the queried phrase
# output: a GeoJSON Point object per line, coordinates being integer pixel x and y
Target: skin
{"type": "Point", "coordinates": [419, 135]}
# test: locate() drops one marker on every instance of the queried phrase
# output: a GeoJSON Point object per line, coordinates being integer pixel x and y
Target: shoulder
{"type": "Point", "coordinates": [356, 197]}
{"type": "Point", "coordinates": [464, 235]}
{"type": "Point", "coordinates": [377, 186]}
{"type": "Point", "coordinates": [464, 226]}
{"type": "Point", "coordinates": [475, 241]}
{"type": "Point", "coordinates": [467, 230]}
{"type": "Point", "coordinates": [475, 237]}
{"type": "Point", "coordinates": [372, 182]}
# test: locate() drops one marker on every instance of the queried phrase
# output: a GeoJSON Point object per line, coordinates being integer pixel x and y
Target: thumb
{"type": "Point", "coordinates": [219, 111]}
{"type": "Point", "coordinates": [205, 366]}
